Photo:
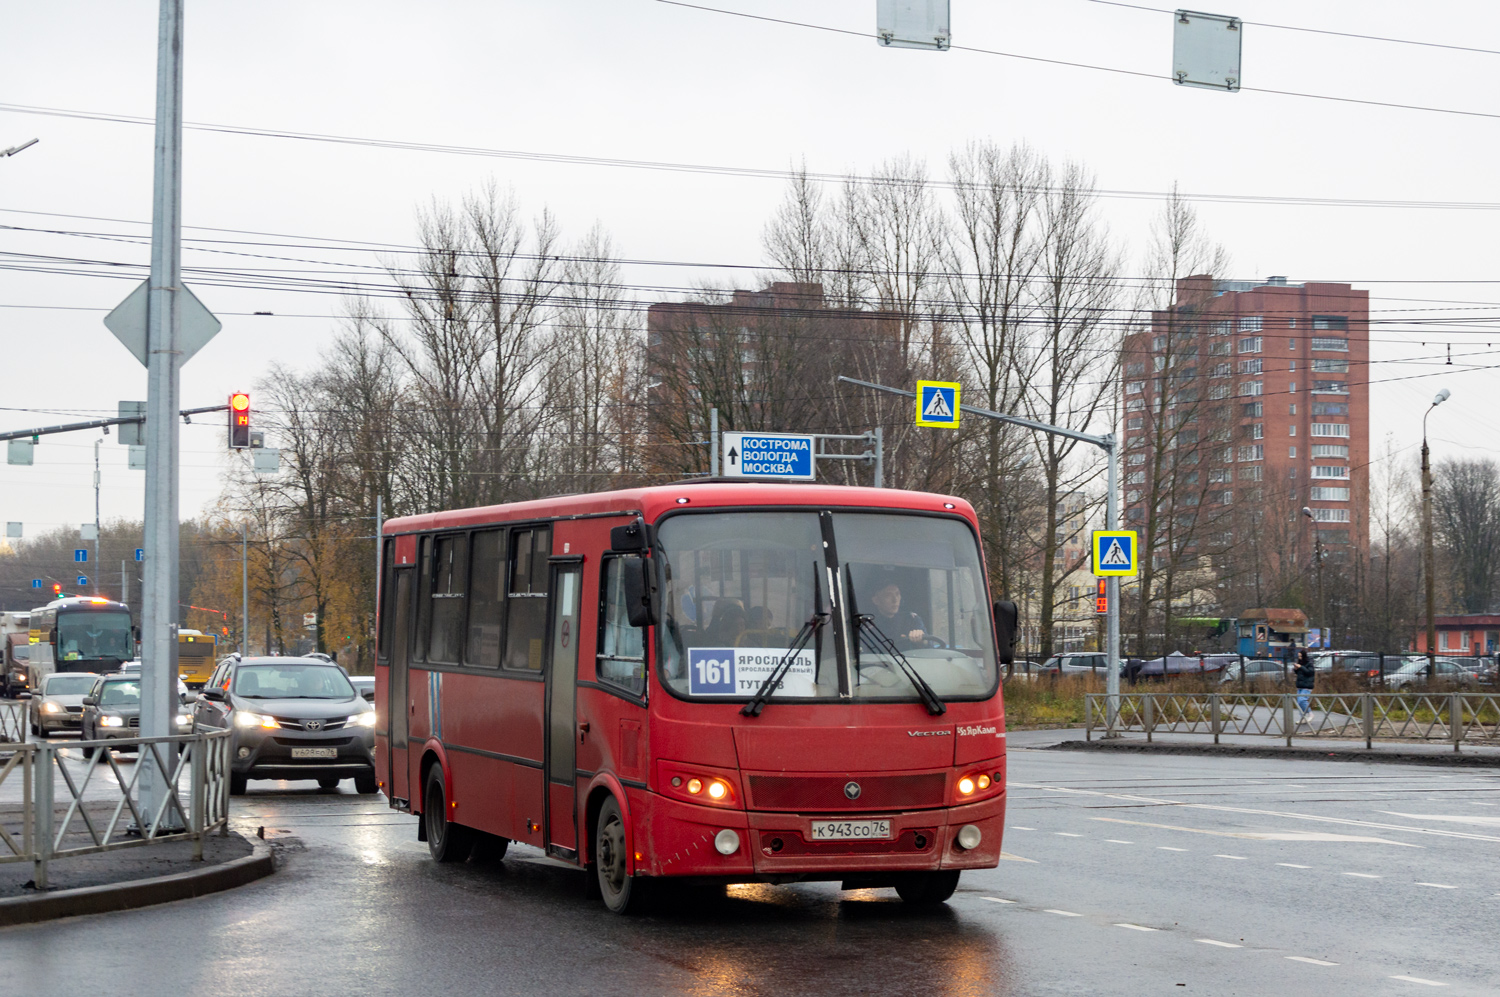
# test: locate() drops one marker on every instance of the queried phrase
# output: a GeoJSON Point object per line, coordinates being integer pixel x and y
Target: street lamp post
{"type": "Point", "coordinates": [1318, 557]}
{"type": "Point", "coordinates": [17, 148]}
{"type": "Point", "coordinates": [1427, 558]}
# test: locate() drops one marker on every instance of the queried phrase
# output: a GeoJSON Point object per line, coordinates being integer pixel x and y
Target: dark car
{"type": "Point", "coordinates": [293, 718]}
{"type": "Point", "coordinates": [112, 710]}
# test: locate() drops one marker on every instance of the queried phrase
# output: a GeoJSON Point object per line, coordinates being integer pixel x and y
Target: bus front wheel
{"type": "Point", "coordinates": [446, 841]}
{"type": "Point", "coordinates": [619, 890]}
{"type": "Point", "coordinates": [927, 888]}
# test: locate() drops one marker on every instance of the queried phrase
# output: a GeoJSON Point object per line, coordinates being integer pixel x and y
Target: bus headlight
{"type": "Point", "coordinates": [966, 785]}
{"type": "Point", "coordinates": [969, 837]}
{"type": "Point", "coordinates": [727, 841]}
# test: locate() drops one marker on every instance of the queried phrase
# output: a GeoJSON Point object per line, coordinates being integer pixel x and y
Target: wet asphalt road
{"type": "Point", "coordinates": [1127, 875]}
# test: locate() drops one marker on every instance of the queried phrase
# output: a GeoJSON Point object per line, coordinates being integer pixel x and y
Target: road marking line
{"type": "Point", "coordinates": [1169, 848]}
{"type": "Point", "coordinates": [997, 900]}
{"type": "Point", "coordinates": [1418, 979]}
{"type": "Point", "coordinates": [1017, 827]}
{"type": "Point", "coordinates": [1066, 834]}
{"type": "Point", "coordinates": [1064, 913]}
{"type": "Point", "coordinates": [1224, 945]}
{"type": "Point", "coordinates": [1117, 841]}
{"type": "Point", "coordinates": [1438, 886]}
{"type": "Point", "coordinates": [1362, 875]}
{"type": "Point", "coordinates": [1237, 858]}
{"type": "Point", "coordinates": [1310, 962]}
{"type": "Point", "coordinates": [1263, 835]}
{"type": "Point", "coordinates": [1133, 927]}
{"type": "Point", "coordinates": [1007, 856]}
{"type": "Point", "coordinates": [1293, 865]}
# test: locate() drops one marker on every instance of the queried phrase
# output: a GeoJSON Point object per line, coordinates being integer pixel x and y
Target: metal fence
{"type": "Point", "coordinates": [1458, 718]}
{"type": "Point", "coordinates": [12, 722]}
{"type": "Point", "coordinates": [59, 817]}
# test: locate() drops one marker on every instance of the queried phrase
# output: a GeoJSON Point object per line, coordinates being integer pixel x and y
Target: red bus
{"type": "Point", "coordinates": [709, 682]}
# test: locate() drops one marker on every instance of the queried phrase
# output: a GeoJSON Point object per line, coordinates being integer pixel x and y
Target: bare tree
{"type": "Point", "coordinates": [1466, 519]}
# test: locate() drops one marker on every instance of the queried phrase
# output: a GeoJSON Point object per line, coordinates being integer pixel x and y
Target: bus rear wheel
{"type": "Point", "coordinates": [446, 841]}
{"type": "Point", "coordinates": [927, 888]}
{"type": "Point", "coordinates": [620, 891]}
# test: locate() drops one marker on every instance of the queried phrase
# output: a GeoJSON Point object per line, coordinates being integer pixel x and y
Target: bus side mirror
{"type": "Point", "coordinates": [631, 537]}
{"type": "Point", "coordinates": [1006, 618]}
{"type": "Point", "coordinates": [640, 590]}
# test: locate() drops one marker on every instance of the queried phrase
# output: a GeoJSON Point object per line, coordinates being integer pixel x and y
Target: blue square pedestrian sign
{"type": "Point", "coordinates": [937, 403]}
{"type": "Point", "coordinates": [1114, 552]}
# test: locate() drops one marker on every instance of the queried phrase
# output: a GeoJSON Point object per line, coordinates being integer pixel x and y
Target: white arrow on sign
{"type": "Point", "coordinates": [128, 323]}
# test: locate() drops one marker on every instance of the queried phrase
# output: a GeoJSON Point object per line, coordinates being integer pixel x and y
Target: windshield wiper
{"type": "Point", "coordinates": [935, 706]}
{"type": "Point", "coordinates": [814, 623]}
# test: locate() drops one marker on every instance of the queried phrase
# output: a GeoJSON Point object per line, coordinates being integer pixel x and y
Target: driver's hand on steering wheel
{"type": "Point", "coordinates": [915, 635]}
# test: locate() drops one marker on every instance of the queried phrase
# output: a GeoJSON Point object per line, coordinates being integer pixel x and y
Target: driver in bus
{"type": "Point", "coordinates": [905, 629]}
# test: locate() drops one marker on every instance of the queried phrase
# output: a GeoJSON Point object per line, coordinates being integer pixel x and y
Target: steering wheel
{"type": "Point", "coordinates": [931, 640]}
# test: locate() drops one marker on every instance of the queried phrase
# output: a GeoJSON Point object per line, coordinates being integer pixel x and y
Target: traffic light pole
{"type": "Point", "coordinates": [71, 427]}
{"type": "Point", "coordinates": [1110, 446]}
{"type": "Point", "coordinates": [163, 369]}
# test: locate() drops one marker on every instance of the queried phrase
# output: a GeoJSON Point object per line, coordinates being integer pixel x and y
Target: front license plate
{"type": "Point", "coordinates": [315, 752]}
{"type": "Point", "coordinates": [851, 830]}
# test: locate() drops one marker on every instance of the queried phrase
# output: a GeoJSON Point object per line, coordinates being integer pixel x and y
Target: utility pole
{"type": "Point", "coordinates": [98, 565]}
{"type": "Point", "coordinates": [163, 363]}
{"type": "Point", "coordinates": [713, 443]}
{"type": "Point", "coordinates": [1428, 567]}
{"type": "Point", "coordinates": [1312, 524]}
{"type": "Point", "coordinates": [244, 589]}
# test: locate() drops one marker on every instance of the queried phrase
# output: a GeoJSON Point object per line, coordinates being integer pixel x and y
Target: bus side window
{"type": "Point", "coordinates": [621, 661]}
{"type": "Point", "coordinates": [445, 635]}
{"type": "Point", "coordinates": [526, 601]}
{"type": "Point", "coordinates": [486, 598]}
{"type": "Point", "coordinates": [387, 599]}
{"type": "Point", "coordinates": [424, 598]}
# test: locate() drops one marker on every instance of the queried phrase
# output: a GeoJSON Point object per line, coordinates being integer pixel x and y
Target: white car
{"type": "Point", "coordinates": [1444, 670]}
{"type": "Point", "coordinates": [58, 705]}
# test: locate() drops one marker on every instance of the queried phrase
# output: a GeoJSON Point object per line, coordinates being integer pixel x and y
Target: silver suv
{"type": "Point", "coordinates": [293, 718]}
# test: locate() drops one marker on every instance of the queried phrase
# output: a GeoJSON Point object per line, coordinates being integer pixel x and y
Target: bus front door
{"type": "Point", "coordinates": [562, 712]}
{"type": "Point", "coordinates": [398, 696]}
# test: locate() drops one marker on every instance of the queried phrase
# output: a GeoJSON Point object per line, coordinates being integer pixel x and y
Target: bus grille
{"type": "Point", "coordinates": [826, 793]}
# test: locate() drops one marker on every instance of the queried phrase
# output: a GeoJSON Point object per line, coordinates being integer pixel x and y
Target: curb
{"type": "Point", "coordinates": [1311, 754]}
{"type": "Point", "coordinates": [138, 892]}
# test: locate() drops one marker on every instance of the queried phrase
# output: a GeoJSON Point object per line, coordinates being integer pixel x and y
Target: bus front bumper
{"type": "Point", "coordinates": [679, 840]}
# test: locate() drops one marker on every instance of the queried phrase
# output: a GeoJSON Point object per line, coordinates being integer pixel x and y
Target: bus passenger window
{"type": "Point", "coordinates": [448, 573]}
{"type": "Point", "coordinates": [622, 649]}
{"type": "Point", "coordinates": [486, 598]}
{"type": "Point", "coordinates": [526, 602]}
{"type": "Point", "coordinates": [424, 599]}
{"type": "Point", "coordinates": [387, 598]}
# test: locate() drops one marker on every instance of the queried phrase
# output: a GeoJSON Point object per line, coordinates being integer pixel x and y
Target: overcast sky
{"type": "Point", "coordinates": [644, 80]}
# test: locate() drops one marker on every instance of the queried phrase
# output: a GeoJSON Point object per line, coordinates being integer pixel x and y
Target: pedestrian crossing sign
{"type": "Point", "coordinates": [937, 403]}
{"type": "Point", "coordinates": [1114, 552]}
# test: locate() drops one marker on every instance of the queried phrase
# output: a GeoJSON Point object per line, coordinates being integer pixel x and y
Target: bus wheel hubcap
{"type": "Point", "coordinates": [612, 855]}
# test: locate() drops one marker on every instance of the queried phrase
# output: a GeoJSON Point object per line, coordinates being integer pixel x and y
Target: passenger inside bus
{"type": "Point", "coordinates": [728, 622]}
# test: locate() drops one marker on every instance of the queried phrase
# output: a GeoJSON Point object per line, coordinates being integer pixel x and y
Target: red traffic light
{"type": "Point", "coordinates": [56, 589]}
{"type": "Point", "coordinates": [239, 420]}
{"type": "Point", "coordinates": [1101, 597]}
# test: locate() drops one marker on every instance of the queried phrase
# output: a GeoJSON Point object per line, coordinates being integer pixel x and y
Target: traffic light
{"type": "Point", "coordinates": [239, 421]}
{"type": "Point", "coordinates": [1101, 597]}
{"type": "Point", "coordinates": [56, 588]}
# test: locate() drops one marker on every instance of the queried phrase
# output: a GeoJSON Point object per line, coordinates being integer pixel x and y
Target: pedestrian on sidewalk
{"type": "Point", "coordinates": [1305, 674]}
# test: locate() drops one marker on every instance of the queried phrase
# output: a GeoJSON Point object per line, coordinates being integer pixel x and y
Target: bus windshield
{"type": "Point", "coordinates": [86, 634]}
{"type": "Point", "coordinates": [739, 587]}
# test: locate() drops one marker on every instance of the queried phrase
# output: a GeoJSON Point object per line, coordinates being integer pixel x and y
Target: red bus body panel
{"type": "Point", "coordinates": [487, 728]}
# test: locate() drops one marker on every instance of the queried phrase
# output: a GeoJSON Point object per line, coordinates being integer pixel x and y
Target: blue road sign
{"type": "Point", "coordinates": [83, 579]}
{"type": "Point", "coordinates": [1114, 552]}
{"type": "Point", "coordinates": [938, 403]}
{"type": "Point", "coordinates": [140, 554]}
{"type": "Point", "coordinates": [36, 583]}
{"type": "Point", "coordinates": [80, 554]}
{"type": "Point", "coordinates": [784, 456]}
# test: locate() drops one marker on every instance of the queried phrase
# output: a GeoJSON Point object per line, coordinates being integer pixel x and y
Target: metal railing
{"type": "Point", "coordinates": [59, 817]}
{"type": "Point", "coordinates": [1458, 718]}
{"type": "Point", "coordinates": [13, 719]}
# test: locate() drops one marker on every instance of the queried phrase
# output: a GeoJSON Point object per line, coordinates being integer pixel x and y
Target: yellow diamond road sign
{"type": "Point", "coordinates": [1114, 552]}
{"type": "Point", "coordinates": [937, 403]}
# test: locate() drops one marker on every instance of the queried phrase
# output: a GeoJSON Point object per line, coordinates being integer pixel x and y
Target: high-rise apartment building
{"type": "Point", "coordinates": [1244, 404]}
